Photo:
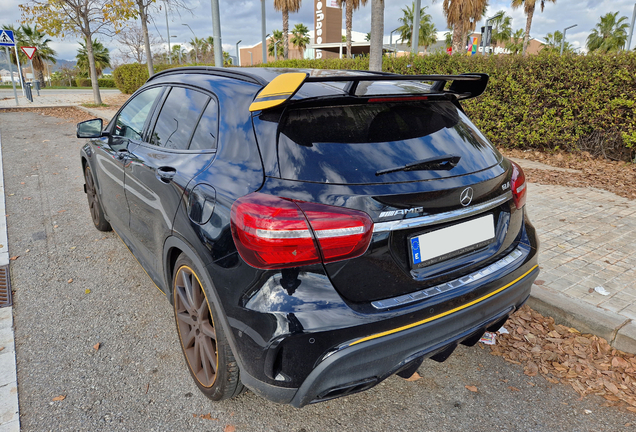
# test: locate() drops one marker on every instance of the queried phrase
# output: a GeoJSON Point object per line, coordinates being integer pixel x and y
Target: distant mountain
{"type": "Point", "coordinates": [4, 64]}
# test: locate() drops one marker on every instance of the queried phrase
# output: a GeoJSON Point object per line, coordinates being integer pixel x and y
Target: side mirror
{"type": "Point", "coordinates": [90, 128]}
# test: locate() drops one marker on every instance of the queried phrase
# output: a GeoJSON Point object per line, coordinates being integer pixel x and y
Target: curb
{"type": "Point", "coordinates": [9, 408]}
{"type": "Point", "coordinates": [619, 331]}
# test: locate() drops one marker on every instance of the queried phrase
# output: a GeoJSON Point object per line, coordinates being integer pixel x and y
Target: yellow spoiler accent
{"type": "Point", "coordinates": [278, 91]}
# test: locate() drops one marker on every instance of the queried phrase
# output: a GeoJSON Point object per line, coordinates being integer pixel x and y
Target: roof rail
{"type": "Point", "coordinates": [226, 72]}
{"type": "Point", "coordinates": [284, 87]}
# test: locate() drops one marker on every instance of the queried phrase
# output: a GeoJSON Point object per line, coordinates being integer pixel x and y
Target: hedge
{"type": "Point", "coordinates": [546, 102]}
{"type": "Point", "coordinates": [83, 82]}
{"type": "Point", "coordinates": [106, 83]}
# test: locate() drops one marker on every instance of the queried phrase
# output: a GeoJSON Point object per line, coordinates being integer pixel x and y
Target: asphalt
{"type": "Point", "coordinates": [588, 240]}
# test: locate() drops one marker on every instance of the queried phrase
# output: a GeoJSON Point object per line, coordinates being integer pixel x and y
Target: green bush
{"type": "Point", "coordinates": [129, 77]}
{"type": "Point", "coordinates": [83, 82]}
{"type": "Point", "coordinates": [106, 83]}
{"type": "Point", "coordinates": [546, 102]}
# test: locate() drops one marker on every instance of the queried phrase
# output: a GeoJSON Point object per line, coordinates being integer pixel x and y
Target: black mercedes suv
{"type": "Point", "coordinates": [316, 231]}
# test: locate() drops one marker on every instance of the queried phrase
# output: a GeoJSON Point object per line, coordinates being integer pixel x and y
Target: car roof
{"type": "Point", "coordinates": [264, 75]}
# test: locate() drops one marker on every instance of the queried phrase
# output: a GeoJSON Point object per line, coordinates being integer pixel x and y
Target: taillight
{"type": "Point", "coordinates": [274, 233]}
{"type": "Point", "coordinates": [518, 186]}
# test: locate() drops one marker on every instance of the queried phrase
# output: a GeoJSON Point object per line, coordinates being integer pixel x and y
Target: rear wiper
{"type": "Point", "coordinates": [445, 163]}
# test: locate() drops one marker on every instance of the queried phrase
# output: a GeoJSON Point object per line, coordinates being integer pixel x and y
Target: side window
{"type": "Point", "coordinates": [131, 120]}
{"type": "Point", "coordinates": [177, 118]}
{"type": "Point", "coordinates": [205, 134]}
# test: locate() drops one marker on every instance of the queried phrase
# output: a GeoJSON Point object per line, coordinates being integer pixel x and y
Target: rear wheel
{"type": "Point", "coordinates": [94, 205]}
{"type": "Point", "coordinates": [205, 347]}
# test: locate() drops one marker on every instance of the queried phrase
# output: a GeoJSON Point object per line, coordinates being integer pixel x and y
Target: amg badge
{"type": "Point", "coordinates": [401, 212]}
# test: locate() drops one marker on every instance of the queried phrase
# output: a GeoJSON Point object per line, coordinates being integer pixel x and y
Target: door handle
{"type": "Point", "coordinates": [166, 174]}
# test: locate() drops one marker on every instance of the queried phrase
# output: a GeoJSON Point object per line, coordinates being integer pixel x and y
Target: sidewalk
{"type": "Point", "coordinates": [61, 98]}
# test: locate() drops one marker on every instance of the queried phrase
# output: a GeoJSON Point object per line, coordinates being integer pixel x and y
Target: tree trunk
{"type": "Point", "coordinates": [285, 34]}
{"type": "Point", "coordinates": [144, 28]}
{"type": "Point", "coordinates": [91, 63]}
{"type": "Point", "coordinates": [377, 35]}
{"type": "Point", "coordinates": [349, 24]}
{"type": "Point", "coordinates": [41, 78]}
{"type": "Point", "coordinates": [526, 38]}
{"type": "Point", "coordinates": [458, 35]}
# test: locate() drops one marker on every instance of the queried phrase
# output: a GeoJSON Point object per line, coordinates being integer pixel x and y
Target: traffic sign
{"type": "Point", "coordinates": [29, 51]}
{"type": "Point", "coordinates": [6, 38]}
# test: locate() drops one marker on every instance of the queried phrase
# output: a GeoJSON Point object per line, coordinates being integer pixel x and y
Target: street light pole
{"type": "Point", "coordinates": [415, 38]}
{"type": "Point", "coordinates": [168, 30]}
{"type": "Point", "coordinates": [631, 29]}
{"type": "Point", "coordinates": [391, 40]}
{"type": "Point", "coordinates": [216, 28]}
{"type": "Point", "coordinates": [563, 39]}
{"type": "Point", "coordinates": [263, 31]}
{"type": "Point", "coordinates": [196, 50]}
{"type": "Point", "coordinates": [484, 36]}
{"type": "Point", "coordinates": [238, 54]}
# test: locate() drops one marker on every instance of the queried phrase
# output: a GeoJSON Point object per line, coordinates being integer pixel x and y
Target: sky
{"type": "Point", "coordinates": [241, 20]}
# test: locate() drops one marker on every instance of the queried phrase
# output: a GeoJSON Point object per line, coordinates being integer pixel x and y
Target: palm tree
{"type": "Point", "coordinates": [350, 6]}
{"type": "Point", "coordinates": [428, 32]}
{"type": "Point", "coordinates": [461, 16]}
{"type": "Point", "coordinates": [273, 48]}
{"type": "Point", "coordinates": [609, 35]}
{"type": "Point", "coordinates": [528, 7]}
{"type": "Point", "coordinates": [100, 53]}
{"type": "Point", "coordinates": [32, 37]}
{"type": "Point", "coordinates": [501, 28]}
{"type": "Point", "coordinates": [300, 37]}
{"type": "Point", "coordinates": [553, 43]}
{"type": "Point", "coordinates": [515, 44]}
{"type": "Point", "coordinates": [286, 6]}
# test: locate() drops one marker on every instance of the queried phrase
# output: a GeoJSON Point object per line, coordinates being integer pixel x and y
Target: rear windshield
{"type": "Point", "coordinates": [350, 143]}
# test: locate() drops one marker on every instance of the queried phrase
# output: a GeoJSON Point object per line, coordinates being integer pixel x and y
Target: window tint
{"type": "Point", "coordinates": [178, 118]}
{"type": "Point", "coordinates": [130, 122]}
{"type": "Point", "coordinates": [205, 134]}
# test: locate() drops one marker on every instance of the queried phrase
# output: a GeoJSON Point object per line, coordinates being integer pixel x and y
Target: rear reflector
{"type": "Point", "coordinates": [274, 233]}
{"type": "Point", "coordinates": [518, 186]}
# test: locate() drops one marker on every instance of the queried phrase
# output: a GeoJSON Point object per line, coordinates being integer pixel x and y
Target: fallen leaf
{"type": "Point", "coordinates": [13, 258]}
{"type": "Point", "coordinates": [471, 388]}
{"type": "Point", "coordinates": [87, 291]}
{"type": "Point", "coordinates": [96, 346]}
{"type": "Point", "coordinates": [414, 377]}
{"type": "Point", "coordinates": [70, 280]}
{"type": "Point", "coordinates": [229, 428]}
{"type": "Point", "coordinates": [208, 416]}
{"type": "Point", "coordinates": [514, 388]}
{"type": "Point", "coordinates": [1, 348]}
{"type": "Point", "coordinates": [539, 282]}
{"type": "Point", "coordinates": [59, 398]}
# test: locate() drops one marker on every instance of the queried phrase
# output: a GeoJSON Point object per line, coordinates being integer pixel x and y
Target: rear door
{"type": "Point", "coordinates": [361, 156]}
{"type": "Point", "coordinates": [180, 144]}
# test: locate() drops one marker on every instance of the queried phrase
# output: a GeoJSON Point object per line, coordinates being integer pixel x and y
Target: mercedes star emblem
{"type": "Point", "coordinates": [466, 196]}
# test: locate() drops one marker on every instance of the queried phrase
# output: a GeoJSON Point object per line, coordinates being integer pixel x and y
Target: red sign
{"type": "Point", "coordinates": [449, 50]}
{"type": "Point", "coordinates": [29, 51]}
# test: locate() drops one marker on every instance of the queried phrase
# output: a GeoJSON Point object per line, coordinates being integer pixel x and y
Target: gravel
{"type": "Point", "coordinates": [137, 379]}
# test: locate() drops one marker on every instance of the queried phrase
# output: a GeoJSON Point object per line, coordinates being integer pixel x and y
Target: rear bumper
{"type": "Point", "coordinates": [362, 363]}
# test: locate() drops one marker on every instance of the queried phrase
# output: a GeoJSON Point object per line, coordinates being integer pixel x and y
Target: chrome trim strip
{"type": "Point", "coordinates": [433, 291]}
{"type": "Point", "coordinates": [441, 217]}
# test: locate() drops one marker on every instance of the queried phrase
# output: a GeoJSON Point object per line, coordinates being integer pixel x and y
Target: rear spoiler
{"type": "Point", "coordinates": [284, 87]}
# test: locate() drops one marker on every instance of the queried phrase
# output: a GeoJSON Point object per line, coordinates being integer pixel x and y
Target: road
{"type": "Point", "coordinates": [76, 287]}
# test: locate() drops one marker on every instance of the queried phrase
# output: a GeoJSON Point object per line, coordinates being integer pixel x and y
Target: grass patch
{"type": "Point", "coordinates": [90, 105]}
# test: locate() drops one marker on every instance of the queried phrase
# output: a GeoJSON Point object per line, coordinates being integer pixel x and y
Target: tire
{"type": "Point", "coordinates": [207, 353]}
{"type": "Point", "coordinates": [94, 205]}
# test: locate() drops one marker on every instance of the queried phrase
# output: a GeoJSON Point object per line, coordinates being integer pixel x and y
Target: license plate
{"type": "Point", "coordinates": [445, 243]}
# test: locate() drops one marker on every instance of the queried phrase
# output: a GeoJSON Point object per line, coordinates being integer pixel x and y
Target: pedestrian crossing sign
{"type": "Point", "coordinates": [6, 38]}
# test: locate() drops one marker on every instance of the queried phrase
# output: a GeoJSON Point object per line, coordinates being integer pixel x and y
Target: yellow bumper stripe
{"type": "Point", "coordinates": [433, 318]}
